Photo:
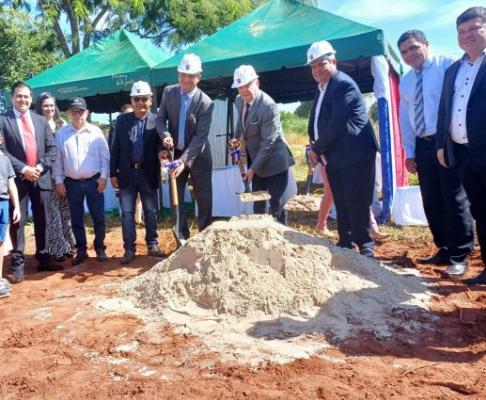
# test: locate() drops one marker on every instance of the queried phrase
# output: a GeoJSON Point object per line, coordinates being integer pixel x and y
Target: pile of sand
{"type": "Point", "coordinates": [252, 278]}
{"type": "Point", "coordinates": [301, 203]}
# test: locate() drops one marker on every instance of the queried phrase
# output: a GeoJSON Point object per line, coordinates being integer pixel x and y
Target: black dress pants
{"type": "Point", "coordinates": [445, 202]}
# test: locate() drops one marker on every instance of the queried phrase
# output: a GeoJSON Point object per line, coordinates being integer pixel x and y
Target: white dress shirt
{"type": "Point", "coordinates": [81, 154]}
{"type": "Point", "coordinates": [21, 130]}
{"type": "Point", "coordinates": [322, 92]}
{"type": "Point", "coordinates": [466, 75]}
{"type": "Point", "coordinates": [433, 70]}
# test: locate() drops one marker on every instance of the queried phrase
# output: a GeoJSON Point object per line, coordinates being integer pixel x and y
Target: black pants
{"type": "Point", "coordinates": [203, 192]}
{"type": "Point", "coordinates": [445, 203]}
{"type": "Point", "coordinates": [473, 178]}
{"type": "Point", "coordinates": [352, 189]}
{"type": "Point", "coordinates": [39, 200]}
{"type": "Point", "coordinates": [276, 186]}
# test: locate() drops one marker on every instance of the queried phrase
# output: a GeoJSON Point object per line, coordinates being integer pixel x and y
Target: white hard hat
{"type": "Point", "coordinates": [141, 88]}
{"type": "Point", "coordinates": [319, 50]}
{"type": "Point", "coordinates": [243, 75]}
{"type": "Point", "coordinates": [190, 64]}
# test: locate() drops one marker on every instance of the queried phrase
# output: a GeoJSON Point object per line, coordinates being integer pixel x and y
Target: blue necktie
{"type": "Point", "coordinates": [419, 105]}
{"type": "Point", "coordinates": [182, 122]}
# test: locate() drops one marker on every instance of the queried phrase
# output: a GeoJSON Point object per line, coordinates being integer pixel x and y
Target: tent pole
{"type": "Point", "coordinates": [229, 123]}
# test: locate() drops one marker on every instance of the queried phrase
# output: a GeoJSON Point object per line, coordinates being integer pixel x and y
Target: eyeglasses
{"type": "Point", "coordinates": [136, 99]}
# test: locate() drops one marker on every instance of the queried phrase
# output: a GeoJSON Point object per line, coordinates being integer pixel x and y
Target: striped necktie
{"type": "Point", "coordinates": [419, 105]}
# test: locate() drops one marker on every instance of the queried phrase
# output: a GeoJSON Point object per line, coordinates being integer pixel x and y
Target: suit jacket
{"type": "Point", "coordinates": [197, 152]}
{"type": "Point", "coordinates": [475, 116]}
{"type": "Point", "coordinates": [263, 135]}
{"type": "Point", "coordinates": [14, 149]}
{"type": "Point", "coordinates": [346, 136]}
{"type": "Point", "coordinates": [120, 150]}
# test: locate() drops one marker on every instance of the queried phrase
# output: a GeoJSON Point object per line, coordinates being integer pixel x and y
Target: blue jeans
{"type": "Point", "coordinates": [77, 191]}
{"type": "Point", "coordinates": [138, 183]}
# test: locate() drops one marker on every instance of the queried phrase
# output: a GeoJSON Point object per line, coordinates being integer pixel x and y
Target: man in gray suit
{"type": "Point", "coordinates": [183, 122]}
{"type": "Point", "coordinates": [259, 124]}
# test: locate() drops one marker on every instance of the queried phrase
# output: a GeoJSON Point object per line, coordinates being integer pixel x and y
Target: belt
{"type": "Point", "coordinates": [428, 137]}
{"type": "Point", "coordinates": [136, 165]}
{"type": "Point", "coordinates": [95, 176]}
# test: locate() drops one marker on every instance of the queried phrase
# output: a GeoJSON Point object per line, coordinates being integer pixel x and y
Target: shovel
{"type": "Point", "coordinates": [248, 195]}
{"type": "Point", "coordinates": [175, 206]}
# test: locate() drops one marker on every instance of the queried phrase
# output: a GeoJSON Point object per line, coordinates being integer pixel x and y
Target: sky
{"type": "Point", "coordinates": [436, 18]}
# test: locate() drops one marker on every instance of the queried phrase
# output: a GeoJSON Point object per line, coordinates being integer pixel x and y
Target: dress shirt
{"type": "Point", "coordinates": [322, 92]}
{"type": "Point", "coordinates": [433, 70]}
{"type": "Point", "coordinates": [190, 95]}
{"type": "Point", "coordinates": [463, 84]}
{"type": "Point", "coordinates": [21, 130]}
{"type": "Point", "coordinates": [136, 140]}
{"type": "Point", "coordinates": [81, 154]}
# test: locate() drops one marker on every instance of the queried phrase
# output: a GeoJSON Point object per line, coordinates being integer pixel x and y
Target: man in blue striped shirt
{"type": "Point", "coordinates": [445, 202]}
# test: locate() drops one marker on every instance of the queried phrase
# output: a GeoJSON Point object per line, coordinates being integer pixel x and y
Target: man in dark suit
{"type": "Point", "coordinates": [461, 127]}
{"type": "Point", "coordinates": [343, 139]}
{"type": "Point", "coordinates": [183, 122]}
{"type": "Point", "coordinates": [135, 169]}
{"type": "Point", "coordinates": [31, 148]}
{"type": "Point", "coordinates": [259, 124]}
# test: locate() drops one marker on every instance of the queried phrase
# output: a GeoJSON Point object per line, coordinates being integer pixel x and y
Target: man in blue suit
{"type": "Point", "coordinates": [461, 127]}
{"type": "Point", "coordinates": [343, 139]}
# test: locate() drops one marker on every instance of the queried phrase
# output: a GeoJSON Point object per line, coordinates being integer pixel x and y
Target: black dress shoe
{"type": "Point", "coordinates": [101, 255]}
{"type": "Point", "coordinates": [440, 258]}
{"type": "Point", "coordinates": [478, 280]}
{"type": "Point", "coordinates": [49, 266]}
{"type": "Point", "coordinates": [80, 257]}
{"type": "Point", "coordinates": [455, 270]}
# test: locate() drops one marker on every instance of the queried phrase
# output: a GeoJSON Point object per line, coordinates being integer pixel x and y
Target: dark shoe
{"type": "Point", "coordinates": [478, 280]}
{"type": "Point", "coordinates": [101, 255]}
{"type": "Point", "coordinates": [128, 257]}
{"type": "Point", "coordinates": [71, 254]}
{"type": "Point", "coordinates": [49, 266]}
{"type": "Point", "coordinates": [154, 251]}
{"type": "Point", "coordinates": [17, 276]}
{"type": "Point", "coordinates": [455, 270]}
{"type": "Point", "coordinates": [440, 258]}
{"type": "Point", "coordinates": [80, 258]}
{"type": "Point", "coordinates": [59, 258]}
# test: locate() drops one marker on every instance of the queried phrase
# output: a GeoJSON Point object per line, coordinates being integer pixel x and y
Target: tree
{"type": "Point", "coordinates": [26, 48]}
{"type": "Point", "coordinates": [175, 23]}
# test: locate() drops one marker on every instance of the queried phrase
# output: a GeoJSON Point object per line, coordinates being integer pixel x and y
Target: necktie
{"type": "Point", "coordinates": [29, 141]}
{"type": "Point", "coordinates": [419, 105]}
{"type": "Point", "coordinates": [245, 115]}
{"type": "Point", "coordinates": [182, 122]}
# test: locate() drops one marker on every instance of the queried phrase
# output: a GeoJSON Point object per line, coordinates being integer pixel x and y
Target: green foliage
{"type": "Point", "coordinates": [26, 48]}
{"type": "Point", "coordinates": [304, 109]}
{"type": "Point", "coordinates": [174, 23]}
{"type": "Point", "coordinates": [292, 123]}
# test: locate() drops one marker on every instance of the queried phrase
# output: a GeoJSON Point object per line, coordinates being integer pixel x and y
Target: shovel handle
{"type": "Point", "coordinates": [242, 171]}
{"type": "Point", "coordinates": [173, 186]}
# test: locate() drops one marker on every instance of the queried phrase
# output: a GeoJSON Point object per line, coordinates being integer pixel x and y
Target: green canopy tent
{"type": "Point", "coordinates": [274, 38]}
{"type": "Point", "coordinates": [103, 73]}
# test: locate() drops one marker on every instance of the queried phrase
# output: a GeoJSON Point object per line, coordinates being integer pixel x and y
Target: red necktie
{"type": "Point", "coordinates": [29, 141]}
{"type": "Point", "coordinates": [245, 115]}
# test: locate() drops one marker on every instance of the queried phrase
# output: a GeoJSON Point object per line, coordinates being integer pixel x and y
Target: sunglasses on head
{"type": "Point", "coordinates": [136, 99]}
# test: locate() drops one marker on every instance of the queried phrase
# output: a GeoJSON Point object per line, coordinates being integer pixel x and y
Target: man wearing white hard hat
{"type": "Point", "coordinates": [259, 124]}
{"type": "Point", "coordinates": [343, 139]}
{"type": "Point", "coordinates": [135, 169]}
{"type": "Point", "coordinates": [183, 123]}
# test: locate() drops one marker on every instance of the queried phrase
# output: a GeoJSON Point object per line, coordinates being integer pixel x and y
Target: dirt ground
{"type": "Point", "coordinates": [57, 343]}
